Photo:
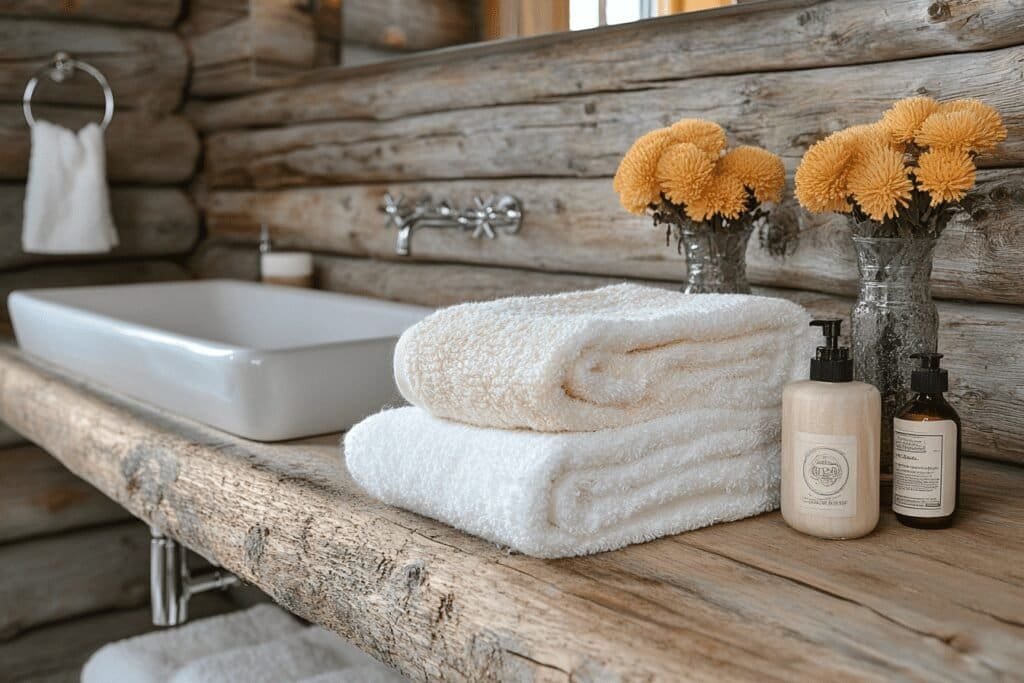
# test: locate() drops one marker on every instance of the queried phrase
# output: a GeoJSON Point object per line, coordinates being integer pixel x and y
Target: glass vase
{"type": "Point", "coordinates": [716, 260]}
{"type": "Point", "coordinates": [893, 318]}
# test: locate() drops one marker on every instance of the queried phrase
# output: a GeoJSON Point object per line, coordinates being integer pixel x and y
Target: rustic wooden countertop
{"type": "Point", "coordinates": [752, 600]}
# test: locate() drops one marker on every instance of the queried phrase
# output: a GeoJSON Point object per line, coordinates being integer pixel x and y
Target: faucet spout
{"type": "Point", "coordinates": [483, 219]}
{"type": "Point", "coordinates": [404, 241]}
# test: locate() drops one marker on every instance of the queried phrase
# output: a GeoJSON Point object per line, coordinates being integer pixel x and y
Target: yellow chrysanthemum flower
{"type": "Point", "coordinates": [635, 180]}
{"type": "Point", "coordinates": [683, 171]}
{"type": "Point", "coordinates": [904, 118]}
{"type": "Point", "coordinates": [820, 182]}
{"type": "Point", "coordinates": [879, 181]}
{"type": "Point", "coordinates": [758, 169]}
{"type": "Point", "coordinates": [707, 135]}
{"type": "Point", "coordinates": [723, 195]}
{"type": "Point", "coordinates": [962, 129]}
{"type": "Point", "coordinates": [945, 174]}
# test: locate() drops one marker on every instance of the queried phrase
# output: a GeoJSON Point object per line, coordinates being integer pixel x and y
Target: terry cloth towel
{"type": "Point", "coordinates": [154, 657]}
{"type": "Point", "coordinates": [301, 655]}
{"type": "Point", "coordinates": [67, 206]}
{"type": "Point", "coordinates": [367, 673]}
{"type": "Point", "coordinates": [602, 358]}
{"type": "Point", "coordinates": [559, 495]}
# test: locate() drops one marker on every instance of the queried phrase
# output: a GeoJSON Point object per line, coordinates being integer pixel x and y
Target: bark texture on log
{"type": "Point", "coordinates": [153, 13]}
{"type": "Point", "coordinates": [141, 148]}
{"type": "Point", "coordinates": [151, 222]}
{"type": "Point", "coordinates": [38, 496]}
{"type": "Point", "coordinates": [759, 37]}
{"type": "Point", "coordinates": [577, 226]}
{"type": "Point", "coordinates": [146, 68]}
{"type": "Point", "coordinates": [725, 602]}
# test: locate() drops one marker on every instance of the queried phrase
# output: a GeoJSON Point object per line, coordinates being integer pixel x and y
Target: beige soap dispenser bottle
{"type": "Point", "coordinates": [830, 440]}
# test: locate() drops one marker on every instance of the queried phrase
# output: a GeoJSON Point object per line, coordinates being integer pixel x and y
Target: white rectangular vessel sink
{"type": "Point", "coordinates": [260, 361]}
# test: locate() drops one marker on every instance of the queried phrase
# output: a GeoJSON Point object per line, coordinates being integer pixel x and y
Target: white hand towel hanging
{"type": "Point", "coordinates": [67, 205]}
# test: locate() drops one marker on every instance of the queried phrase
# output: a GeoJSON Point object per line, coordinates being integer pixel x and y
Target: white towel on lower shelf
{"type": "Point", "coordinates": [603, 358]}
{"type": "Point", "coordinates": [311, 652]}
{"type": "Point", "coordinates": [67, 204]}
{"type": "Point", "coordinates": [558, 495]}
{"type": "Point", "coordinates": [154, 657]}
{"type": "Point", "coordinates": [366, 673]}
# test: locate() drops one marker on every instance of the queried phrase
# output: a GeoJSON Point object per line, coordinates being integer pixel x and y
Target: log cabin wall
{"type": "Point", "coordinates": [547, 119]}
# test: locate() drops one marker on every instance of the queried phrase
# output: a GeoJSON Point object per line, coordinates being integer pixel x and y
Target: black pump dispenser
{"type": "Point", "coordinates": [929, 378]}
{"type": "Point", "coordinates": [832, 363]}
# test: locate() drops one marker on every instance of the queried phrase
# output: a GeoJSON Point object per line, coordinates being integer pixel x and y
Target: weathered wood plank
{"type": "Point", "coordinates": [141, 148]}
{"type": "Point", "coordinates": [410, 26]}
{"type": "Point", "coordinates": [758, 37]}
{"type": "Point", "coordinates": [57, 652]}
{"type": "Point", "coordinates": [39, 496]}
{"type": "Point", "coordinates": [974, 337]}
{"type": "Point", "coordinates": [146, 68]}
{"type": "Point", "coordinates": [68, 575]}
{"type": "Point", "coordinates": [575, 225]}
{"type": "Point", "coordinates": [586, 136]}
{"type": "Point", "coordinates": [439, 604]}
{"type": "Point", "coordinates": [202, 16]}
{"type": "Point", "coordinates": [150, 222]}
{"type": "Point", "coordinates": [153, 13]}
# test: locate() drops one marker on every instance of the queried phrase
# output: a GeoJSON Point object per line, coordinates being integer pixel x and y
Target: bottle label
{"type": "Point", "coordinates": [826, 474]}
{"type": "Point", "coordinates": [924, 467]}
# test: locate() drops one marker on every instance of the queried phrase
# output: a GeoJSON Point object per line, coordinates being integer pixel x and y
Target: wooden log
{"type": "Point", "coordinates": [974, 337]}
{"type": "Point", "coordinates": [202, 16]}
{"type": "Point", "coordinates": [152, 13]}
{"type": "Point", "coordinates": [146, 68]}
{"type": "Point", "coordinates": [9, 437]}
{"type": "Point", "coordinates": [39, 496]}
{"type": "Point", "coordinates": [439, 604]}
{"type": "Point", "coordinates": [574, 225]}
{"type": "Point", "coordinates": [57, 652]}
{"type": "Point", "coordinates": [141, 148]}
{"type": "Point", "coordinates": [586, 136]}
{"type": "Point", "coordinates": [774, 36]}
{"type": "Point", "coordinates": [409, 26]}
{"type": "Point", "coordinates": [150, 222]}
{"type": "Point", "coordinates": [68, 575]}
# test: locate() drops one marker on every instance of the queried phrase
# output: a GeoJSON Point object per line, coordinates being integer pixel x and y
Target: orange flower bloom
{"type": "Point", "coordinates": [758, 169]}
{"type": "Point", "coordinates": [971, 129]}
{"type": "Point", "coordinates": [723, 195]}
{"type": "Point", "coordinates": [683, 171]}
{"type": "Point", "coordinates": [635, 180]}
{"type": "Point", "coordinates": [945, 174]}
{"type": "Point", "coordinates": [822, 175]}
{"type": "Point", "coordinates": [879, 181]}
{"type": "Point", "coordinates": [904, 118]}
{"type": "Point", "coordinates": [707, 135]}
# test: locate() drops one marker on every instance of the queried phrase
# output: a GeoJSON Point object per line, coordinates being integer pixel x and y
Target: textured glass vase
{"type": "Point", "coordinates": [716, 260]}
{"type": "Point", "coordinates": [893, 318]}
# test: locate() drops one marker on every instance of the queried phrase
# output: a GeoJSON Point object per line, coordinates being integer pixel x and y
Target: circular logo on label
{"type": "Point", "coordinates": [826, 471]}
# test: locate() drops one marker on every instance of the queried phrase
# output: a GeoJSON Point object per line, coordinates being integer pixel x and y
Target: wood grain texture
{"type": "Point", "coordinates": [59, 577]}
{"type": "Point", "coordinates": [38, 496]}
{"type": "Point", "coordinates": [202, 16]}
{"type": "Point", "coordinates": [410, 26]}
{"type": "Point", "coordinates": [152, 13]}
{"type": "Point", "coordinates": [56, 653]}
{"type": "Point", "coordinates": [574, 225]}
{"type": "Point", "coordinates": [141, 148]}
{"type": "Point", "coordinates": [146, 68]}
{"type": "Point", "coordinates": [975, 338]}
{"type": "Point", "coordinates": [751, 600]}
{"type": "Point", "coordinates": [150, 222]}
{"type": "Point", "coordinates": [759, 37]}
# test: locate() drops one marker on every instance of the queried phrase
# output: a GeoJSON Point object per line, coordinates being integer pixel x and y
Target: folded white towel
{"type": "Point", "coordinates": [366, 673]}
{"type": "Point", "coordinates": [67, 205]}
{"type": "Point", "coordinates": [308, 653]}
{"type": "Point", "coordinates": [154, 657]}
{"type": "Point", "coordinates": [603, 358]}
{"type": "Point", "coordinates": [557, 495]}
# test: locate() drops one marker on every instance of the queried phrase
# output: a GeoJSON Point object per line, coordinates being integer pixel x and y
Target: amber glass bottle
{"type": "Point", "coordinates": [926, 451]}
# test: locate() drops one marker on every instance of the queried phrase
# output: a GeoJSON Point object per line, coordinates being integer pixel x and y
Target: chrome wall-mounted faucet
{"type": "Point", "coordinates": [484, 219]}
{"type": "Point", "coordinates": [170, 583]}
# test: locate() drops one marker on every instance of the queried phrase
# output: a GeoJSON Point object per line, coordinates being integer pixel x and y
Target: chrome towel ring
{"type": "Point", "coordinates": [61, 68]}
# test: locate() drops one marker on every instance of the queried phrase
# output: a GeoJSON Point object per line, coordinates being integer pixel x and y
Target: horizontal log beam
{"type": "Point", "coordinates": [441, 605]}
{"type": "Point", "coordinates": [151, 13]}
{"type": "Point", "coordinates": [586, 136]}
{"type": "Point", "coordinates": [755, 37]}
{"type": "Point", "coordinates": [39, 496]}
{"type": "Point", "coordinates": [140, 148]}
{"type": "Point", "coordinates": [59, 577]}
{"type": "Point", "coordinates": [146, 68]}
{"type": "Point", "coordinates": [974, 337]}
{"type": "Point", "coordinates": [578, 226]}
{"type": "Point", "coordinates": [150, 222]}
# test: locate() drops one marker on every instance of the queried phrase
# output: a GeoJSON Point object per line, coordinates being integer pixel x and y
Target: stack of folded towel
{"type": "Point", "coordinates": [260, 645]}
{"type": "Point", "coordinates": [571, 424]}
